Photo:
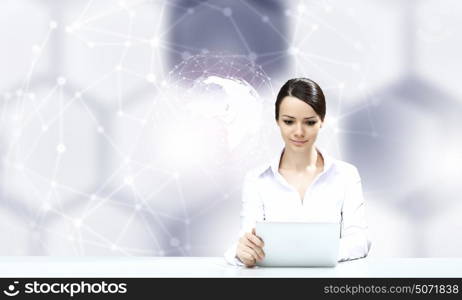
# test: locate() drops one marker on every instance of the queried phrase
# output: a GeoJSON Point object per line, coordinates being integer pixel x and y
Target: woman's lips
{"type": "Point", "coordinates": [299, 142]}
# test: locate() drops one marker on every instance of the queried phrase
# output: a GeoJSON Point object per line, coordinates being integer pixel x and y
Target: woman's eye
{"type": "Point", "coordinates": [309, 123]}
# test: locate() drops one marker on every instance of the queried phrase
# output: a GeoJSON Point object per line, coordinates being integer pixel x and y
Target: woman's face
{"type": "Point", "coordinates": [299, 124]}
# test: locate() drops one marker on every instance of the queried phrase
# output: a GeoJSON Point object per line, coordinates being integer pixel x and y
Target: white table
{"type": "Point", "coordinates": [48, 266]}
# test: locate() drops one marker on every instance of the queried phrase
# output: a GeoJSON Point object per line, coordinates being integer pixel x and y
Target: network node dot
{"type": "Point", "coordinates": [77, 222]}
{"type": "Point", "coordinates": [293, 51]}
{"type": "Point", "coordinates": [185, 55]}
{"type": "Point", "coordinates": [53, 25]}
{"type": "Point", "coordinates": [332, 120]}
{"type": "Point", "coordinates": [174, 242]}
{"type": "Point", "coordinates": [252, 56]}
{"type": "Point", "coordinates": [36, 49]}
{"type": "Point", "coordinates": [154, 42]}
{"type": "Point", "coordinates": [61, 81]}
{"type": "Point", "coordinates": [227, 11]}
{"type": "Point", "coordinates": [61, 148]}
{"type": "Point", "coordinates": [128, 180]}
{"type": "Point", "coordinates": [151, 78]}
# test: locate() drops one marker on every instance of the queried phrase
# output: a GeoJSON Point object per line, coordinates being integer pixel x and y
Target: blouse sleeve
{"type": "Point", "coordinates": [251, 212]}
{"type": "Point", "coordinates": [353, 235]}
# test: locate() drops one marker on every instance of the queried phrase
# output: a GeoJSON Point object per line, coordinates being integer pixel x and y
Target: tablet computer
{"type": "Point", "coordinates": [299, 244]}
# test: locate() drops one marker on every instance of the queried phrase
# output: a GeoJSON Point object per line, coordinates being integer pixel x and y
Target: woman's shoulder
{"type": "Point", "coordinates": [345, 168]}
{"type": "Point", "coordinates": [337, 165]}
{"type": "Point", "coordinates": [257, 171]}
{"type": "Point", "coordinates": [263, 169]}
{"type": "Point", "coordinates": [344, 165]}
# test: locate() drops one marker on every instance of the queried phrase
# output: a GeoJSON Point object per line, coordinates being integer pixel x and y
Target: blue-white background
{"type": "Point", "coordinates": [126, 127]}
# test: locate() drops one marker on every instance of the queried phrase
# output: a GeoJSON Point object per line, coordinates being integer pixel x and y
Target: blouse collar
{"type": "Point", "coordinates": [275, 161]}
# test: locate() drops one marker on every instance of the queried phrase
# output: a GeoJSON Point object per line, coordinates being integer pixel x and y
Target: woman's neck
{"type": "Point", "coordinates": [300, 161]}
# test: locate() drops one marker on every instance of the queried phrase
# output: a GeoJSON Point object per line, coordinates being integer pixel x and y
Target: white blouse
{"type": "Point", "coordinates": [335, 195]}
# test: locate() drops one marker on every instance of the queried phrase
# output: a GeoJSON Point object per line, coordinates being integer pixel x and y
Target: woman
{"type": "Point", "coordinates": [303, 183]}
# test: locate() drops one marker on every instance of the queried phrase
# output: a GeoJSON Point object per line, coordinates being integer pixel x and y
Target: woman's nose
{"type": "Point", "coordinates": [299, 131]}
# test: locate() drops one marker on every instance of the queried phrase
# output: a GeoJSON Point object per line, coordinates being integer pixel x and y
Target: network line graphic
{"type": "Point", "coordinates": [126, 127]}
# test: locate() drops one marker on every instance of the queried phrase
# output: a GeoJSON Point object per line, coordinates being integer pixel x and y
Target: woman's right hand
{"type": "Point", "coordinates": [250, 249]}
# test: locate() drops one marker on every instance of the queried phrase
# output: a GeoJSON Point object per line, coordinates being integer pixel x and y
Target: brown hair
{"type": "Point", "coordinates": [307, 91]}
